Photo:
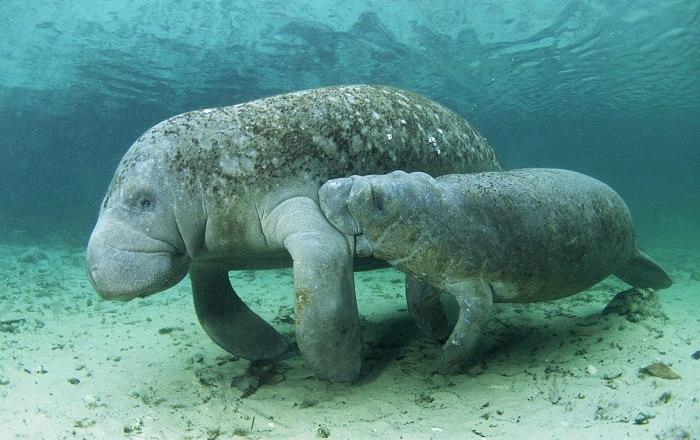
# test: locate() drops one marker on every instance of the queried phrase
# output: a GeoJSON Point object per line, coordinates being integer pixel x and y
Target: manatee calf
{"type": "Point", "coordinates": [236, 187]}
{"type": "Point", "coordinates": [512, 236]}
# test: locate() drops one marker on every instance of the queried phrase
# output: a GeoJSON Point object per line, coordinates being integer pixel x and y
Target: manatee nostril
{"type": "Point", "coordinates": [377, 198]}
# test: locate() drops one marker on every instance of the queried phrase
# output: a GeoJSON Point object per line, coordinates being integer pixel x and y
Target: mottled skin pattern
{"type": "Point", "coordinates": [311, 136]}
{"type": "Point", "coordinates": [511, 236]}
{"type": "Point", "coordinates": [236, 188]}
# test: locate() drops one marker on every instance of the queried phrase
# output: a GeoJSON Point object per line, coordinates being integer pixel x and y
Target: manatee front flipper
{"type": "Point", "coordinates": [327, 320]}
{"type": "Point", "coordinates": [229, 322]}
{"type": "Point", "coordinates": [475, 299]}
{"type": "Point", "coordinates": [423, 302]}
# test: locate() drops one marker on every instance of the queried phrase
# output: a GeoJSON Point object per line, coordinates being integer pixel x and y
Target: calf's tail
{"type": "Point", "coordinates": [643, 272]}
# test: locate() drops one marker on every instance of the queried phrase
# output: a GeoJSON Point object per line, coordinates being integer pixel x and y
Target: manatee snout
{"type": "Point", "coordinates": [358, 203]}
{"type": "Point", "coordinates": [333, 198]}
{"type": "Point", "coordinates": [377, 201]}
{"type": "Point", "coordinates": [123, 265]}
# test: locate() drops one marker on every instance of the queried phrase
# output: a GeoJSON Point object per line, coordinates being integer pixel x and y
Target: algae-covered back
{"type": "Point", "coordinates": [315, 135]}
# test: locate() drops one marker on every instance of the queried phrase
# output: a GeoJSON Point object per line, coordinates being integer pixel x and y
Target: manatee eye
{"type": "Point", "coordinates": [144, 202]}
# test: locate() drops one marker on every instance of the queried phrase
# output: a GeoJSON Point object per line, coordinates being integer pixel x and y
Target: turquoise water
{"type": "Point", "coordinates": [611, 89]}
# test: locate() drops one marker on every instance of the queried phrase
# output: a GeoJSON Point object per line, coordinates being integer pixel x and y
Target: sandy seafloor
{"type": "Point", "coordinates": [75, 366]}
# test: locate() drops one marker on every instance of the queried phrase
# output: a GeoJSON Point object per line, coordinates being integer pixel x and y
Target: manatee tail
{"type": "Point", "coordinates": [643, 272]}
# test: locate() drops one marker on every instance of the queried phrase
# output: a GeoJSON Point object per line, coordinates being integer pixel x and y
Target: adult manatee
{"type": "Point", "coordinates": [236, 187]}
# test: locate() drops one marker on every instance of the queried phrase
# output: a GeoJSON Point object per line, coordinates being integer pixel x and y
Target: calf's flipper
{"type": "Point", "coordinates": [475, 300]}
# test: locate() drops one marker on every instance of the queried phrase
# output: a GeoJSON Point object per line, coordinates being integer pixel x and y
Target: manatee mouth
{"type": "Point", "coordinates": [147, 246]}
{"type": "Point", "coordinates": [123, 274]}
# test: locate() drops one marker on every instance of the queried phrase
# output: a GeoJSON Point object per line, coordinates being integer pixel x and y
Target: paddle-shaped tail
{"type": "Point", "coordinates": [643, 272]}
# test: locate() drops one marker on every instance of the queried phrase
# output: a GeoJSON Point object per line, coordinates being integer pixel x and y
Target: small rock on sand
{"type": "Point", "coordinates": [32, 255]}
{"type": "Point", "coordinates": [636, 305]}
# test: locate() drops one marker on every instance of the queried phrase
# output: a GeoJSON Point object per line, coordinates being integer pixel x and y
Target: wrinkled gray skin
{"type": "Point", "coordinates": [511, 236]}
{"type": "Point", "coordinates": [237, 188]}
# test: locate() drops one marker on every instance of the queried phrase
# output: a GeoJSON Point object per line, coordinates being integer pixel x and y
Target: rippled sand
{"type": "Point", "coordinates": [74, 366]}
